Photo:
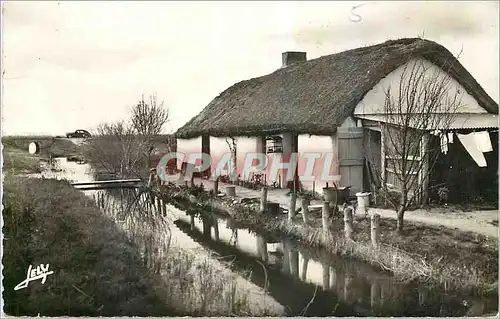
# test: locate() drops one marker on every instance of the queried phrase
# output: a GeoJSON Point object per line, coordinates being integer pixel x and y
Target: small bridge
{"type": "Point", "coordinates": [117, 183]}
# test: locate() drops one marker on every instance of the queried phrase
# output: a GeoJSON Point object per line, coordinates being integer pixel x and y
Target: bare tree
{"type": "Point", "coordinates": [125, 148]}
{"type": "Point", "coordinates": [116, 148]}
{"type": "Point", "coordinates": [424, 101]}
{"type": "Point", "coordinates": [149, 117]}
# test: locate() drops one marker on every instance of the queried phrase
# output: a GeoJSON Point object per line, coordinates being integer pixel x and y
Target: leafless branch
{"type": "Point", "coordinates": [149, 117]}
{"type": "Point", "coordinates": [423, 101]}
{"type": "Point", "coordinates": [117, 149]}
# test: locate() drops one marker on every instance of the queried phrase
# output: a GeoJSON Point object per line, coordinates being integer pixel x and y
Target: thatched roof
{"type": "Point", "coordinates": [316, 96]}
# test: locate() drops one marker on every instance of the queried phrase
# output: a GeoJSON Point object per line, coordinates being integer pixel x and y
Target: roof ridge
{"type": "Point", "coordinates": [316, 95]}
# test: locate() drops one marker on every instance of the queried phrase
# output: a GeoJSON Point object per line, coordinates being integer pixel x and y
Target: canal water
{"type": "Point", "coordinates": [305, 281]}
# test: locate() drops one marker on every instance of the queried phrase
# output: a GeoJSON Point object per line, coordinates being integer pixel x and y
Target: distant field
{"type": "Point", "coordinates": [58, 147]}
{"type": "Point", "coordinates": [63, 147]}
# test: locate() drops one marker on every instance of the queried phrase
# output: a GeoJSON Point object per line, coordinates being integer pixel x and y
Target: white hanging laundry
{"type": "Point", "coordinates": [483, 141]}
{"type": "Point", "coordinates": [450, 138]}
{"type": "Point", "coordinates": [469, 142]}
{"type": "Point", "coordinates": [444, 143]}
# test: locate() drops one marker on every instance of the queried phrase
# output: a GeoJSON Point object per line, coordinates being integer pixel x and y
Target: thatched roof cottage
{"type": "Point", "coordinates": [331, 103]}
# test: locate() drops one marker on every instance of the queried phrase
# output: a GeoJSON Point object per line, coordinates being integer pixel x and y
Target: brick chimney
{"type": "Point", "coordinates": [290, 57]}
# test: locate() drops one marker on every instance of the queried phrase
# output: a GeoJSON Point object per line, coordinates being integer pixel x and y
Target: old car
{"type": "Point", "coordinates": [78, 134]}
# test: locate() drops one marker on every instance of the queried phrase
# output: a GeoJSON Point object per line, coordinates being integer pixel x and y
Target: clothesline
{"type": "Point", "coordinates": [476, 144]}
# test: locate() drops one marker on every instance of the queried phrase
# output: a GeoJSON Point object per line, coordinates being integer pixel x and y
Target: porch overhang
{"type": "Point", "coordinates": [458, 122]}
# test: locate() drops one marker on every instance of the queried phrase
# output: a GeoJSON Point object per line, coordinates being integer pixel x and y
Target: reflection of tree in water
{"type": "Point", "coordinates": [294, 262]}
{"type": "Point", "coordinates": [144, 225]}
{"type": "Point", "coordinates": [230, 224]}
{"type": "Point", "coordinates": [234, 237]}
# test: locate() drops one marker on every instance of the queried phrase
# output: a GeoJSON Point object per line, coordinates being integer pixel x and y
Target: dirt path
{"type": "Point", "coordinates": [480, 222]}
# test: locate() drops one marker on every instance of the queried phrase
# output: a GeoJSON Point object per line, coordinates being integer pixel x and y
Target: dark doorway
{"type": "Point", "coordinates": [466, 181]}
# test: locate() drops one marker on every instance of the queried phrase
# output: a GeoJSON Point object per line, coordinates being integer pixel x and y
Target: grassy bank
{"type": "Point", "coordinates": [97, 270]}
{"type": "Point", "coordinates": [16, 161]}
{"type": "Point", "coordinates": [445, 257]}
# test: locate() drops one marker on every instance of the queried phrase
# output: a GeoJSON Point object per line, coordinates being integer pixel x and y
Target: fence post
{"type": "Point", "coordinates": [263, 200]}
{"type": "Point", "coordinates": [305, 210]}
{"type": "Point", "coordinates": [324, 215]}
{"type": "Point", "coordinates": [216, 187]}
{"type": "Point", "coordinates": [293, 206]}
{"type": "Point", "coordinates": [164, 206]}
{"type": "Point", "coordinates": [231, 191]}
{"type": "Point", "coordinates": [159, 206]}
{"type": "Point", "coordinates": [375, 229]}
{"type": "Point", "coordinates": [348, 228]}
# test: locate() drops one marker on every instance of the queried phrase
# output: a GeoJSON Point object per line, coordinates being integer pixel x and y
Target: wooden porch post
{"type": "Point", "coordinates": [205, 148]}
{"type": "Point", "coordinates": [260, 146]}
{"type": "Point", "coordinates": [290, 145]}
{"type": "Point", "coordinates": [382, 152]}
{"type": "Point", "coordinates": [424, 172]}
{"type": "Point", "coordinates": [335, 148]}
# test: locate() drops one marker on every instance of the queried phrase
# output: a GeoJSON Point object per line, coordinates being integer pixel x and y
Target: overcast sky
{"type": "Point", "coordinates": [72, 65]}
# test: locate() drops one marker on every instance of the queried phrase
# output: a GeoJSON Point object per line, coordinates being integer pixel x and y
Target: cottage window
{"type": "Point", "coordinates": [274, 144]}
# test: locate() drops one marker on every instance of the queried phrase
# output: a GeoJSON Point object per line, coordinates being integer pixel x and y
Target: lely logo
{"type": "Point", "coordinates": [40, 272]}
